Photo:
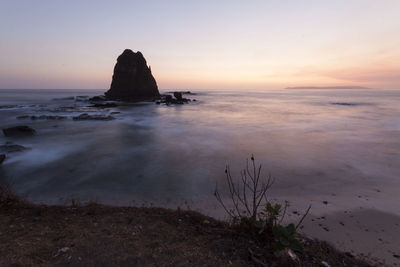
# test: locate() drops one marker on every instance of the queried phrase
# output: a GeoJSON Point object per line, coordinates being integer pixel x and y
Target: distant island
{"type": "Point", "coordinates": [328, 87]}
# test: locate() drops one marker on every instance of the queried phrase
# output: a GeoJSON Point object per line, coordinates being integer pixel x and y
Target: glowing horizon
{"type": "Point", "coordinates": [202, 45]}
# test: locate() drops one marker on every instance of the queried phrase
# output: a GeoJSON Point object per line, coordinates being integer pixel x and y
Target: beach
{"type": "Point", "coordinates": [335, 150]}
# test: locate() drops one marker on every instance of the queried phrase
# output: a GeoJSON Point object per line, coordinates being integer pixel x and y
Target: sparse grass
{"type": "Point", "coordinates": [8, 198]}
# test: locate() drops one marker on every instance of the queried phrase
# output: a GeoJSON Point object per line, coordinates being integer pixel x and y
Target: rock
{"type": "Point", "coordinates": [22, 117]}
{"type": "Point", "coordinates": [132, 79]}
{"type": "Point", "coordinates": [41, 117]}
{"type": "Point", "coordinates": [61, 251]}
{"type": "Point", "coordinates": [2, 158]}
{"type": "Point", "coordinates": [50, 117]}
{"type": "Point", "coordinates": [292, 255]}
{"type": "Point", "coordinates": [168, 99]}
{"type": "Point", "coordinates": [9, 106]}
{"type": "Point", "coordinates": [105, 105]}
{"type": "Point", "coordinates": [86, 116]}
{"type": "Point", "coordinates": [178, 95]}
{"type": "Point", "coordinates": [98, 98]}
{"type": "Point", "coordinates": [182, 92]}
{"type": "Point", "coordinates": [19, 131]}
{"type": "Point", "coordinates": [81, 98]}
{"type": "Point", "coordinates": [344, 104]}
{"type": "Point", "coordinates": [64, 98]}
{"type": "Point", "coordinates": [10, 147]}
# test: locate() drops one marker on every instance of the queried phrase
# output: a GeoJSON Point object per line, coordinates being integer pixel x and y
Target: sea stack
{"type": "Point", "coordinates": [132, 79]}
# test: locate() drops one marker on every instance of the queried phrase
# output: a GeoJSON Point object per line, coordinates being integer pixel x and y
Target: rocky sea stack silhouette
{"type": "Point", "coordinates": [132, 79]}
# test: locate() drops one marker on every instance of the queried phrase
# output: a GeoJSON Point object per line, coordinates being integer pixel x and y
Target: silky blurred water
{"type": "Point", "coordinates": [314, 142]}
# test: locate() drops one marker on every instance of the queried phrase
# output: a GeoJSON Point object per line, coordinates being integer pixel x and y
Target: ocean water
{"type": "Point", "coordinates": [315, 143]}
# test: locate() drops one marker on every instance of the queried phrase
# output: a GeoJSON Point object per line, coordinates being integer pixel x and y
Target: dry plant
{"type": "Point", "coordinates": [248, 195]}
{"type": "Point", "coordinates": [249, 201]}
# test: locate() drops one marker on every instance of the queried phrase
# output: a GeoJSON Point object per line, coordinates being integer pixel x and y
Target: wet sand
{"type": "Point", "coordinates": [363, 223]}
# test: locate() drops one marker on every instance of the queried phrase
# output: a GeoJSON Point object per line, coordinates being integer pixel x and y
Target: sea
{"type": "Point", "coordinates": [317, 145]}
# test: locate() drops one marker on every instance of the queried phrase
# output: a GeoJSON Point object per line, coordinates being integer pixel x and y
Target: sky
{"type": "Point", "coordinates": [226, 44]}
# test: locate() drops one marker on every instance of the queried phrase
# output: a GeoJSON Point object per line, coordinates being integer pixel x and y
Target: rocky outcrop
{"type": "Point", "coordinates": [177, 99]}
{"type": "Point", "coordinates": [132, 79]}
{"type": "Point", "coordinates": [85, 117]}
{"type": "Point", "coordinates": [19, 131]}
{"type": "Point", "coordinates": [178, 95]}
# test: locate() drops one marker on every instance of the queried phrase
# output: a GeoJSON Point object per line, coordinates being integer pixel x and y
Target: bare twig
{"type": "Point", "coordinates": [284, 212]}
{"type": "Point", "coordinates": [304, 216]}
{"type": "Point", "coordinates": [247, 197]}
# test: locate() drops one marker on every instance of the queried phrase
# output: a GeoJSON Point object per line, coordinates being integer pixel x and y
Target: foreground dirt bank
{"type": "Point", "coordinates": [98, 235]}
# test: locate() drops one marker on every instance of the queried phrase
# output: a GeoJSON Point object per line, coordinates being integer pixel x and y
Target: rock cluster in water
{"type": "Point", "coordinates": [96, 117]}
{"type": "Point", "coordinates": [132, 79]}
{"type": "Point", "coordinates": [19, 131]}
{"type": "Point", "coordinates": [41, 117]}
{"type": "Point", "coordinates": [176, 99]}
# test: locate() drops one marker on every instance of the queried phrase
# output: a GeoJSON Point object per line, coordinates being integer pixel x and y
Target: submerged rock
{"type": "Point", "coordinates": [344, 104]}
{"type": "Point", "coordinates": [2, 158]}
{"type": "Point", "coordinates": [81, 98]}
{"type": "Point", "coordinates": [104, 105]}
{"type": "Point", "coordinates": [41, 117]}
{"type": "Point", "coordinates": [9, 106]}
{"type": "Point", "coordinates": [98, 98]}
{"type": "Point", "coordinates": [64, 98]}
{"type": "Point", "coordinates": [23, 117]}
{"type": "Point", "coordinates": [182, 92]}
{"type": "Point", "coordinates": [86, 116]}
{"type": "Point", "coordinates": [19, 131]}
{"type": "Point", "coordinates": [9, 147]}
{"type": "Point", "coordinates": [132, 79]}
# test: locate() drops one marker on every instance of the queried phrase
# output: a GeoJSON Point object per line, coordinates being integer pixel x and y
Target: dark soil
{"type": "Point", "coordinates": [98, 235]}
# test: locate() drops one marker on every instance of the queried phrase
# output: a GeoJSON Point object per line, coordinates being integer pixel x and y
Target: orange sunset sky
{"type": "Point", "coordinates": [202, 44]}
